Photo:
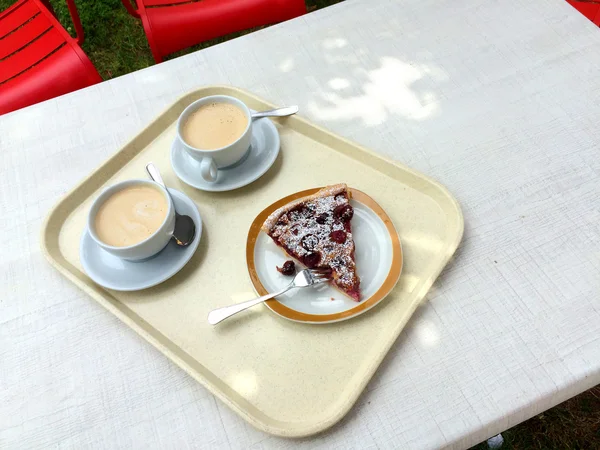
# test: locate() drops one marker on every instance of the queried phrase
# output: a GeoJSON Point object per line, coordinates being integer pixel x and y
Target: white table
{"type": "Point", "coordinates": [500, 101]}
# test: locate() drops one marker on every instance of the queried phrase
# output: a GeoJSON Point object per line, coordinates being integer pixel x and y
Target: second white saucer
{"type": "Point", "coordinates": [261, 155]}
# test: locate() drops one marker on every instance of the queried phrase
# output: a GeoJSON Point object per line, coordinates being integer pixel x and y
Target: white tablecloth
{"type": "Point", "coordinates": [500, 101]}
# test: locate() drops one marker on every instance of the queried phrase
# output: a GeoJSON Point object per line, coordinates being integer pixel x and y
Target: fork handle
{"type": "Point", "coordinates": [217, 315]}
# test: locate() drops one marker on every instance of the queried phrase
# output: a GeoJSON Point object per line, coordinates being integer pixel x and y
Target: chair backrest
{"type": "Point", "coordinates": [151, 3]}
{"type": "Point", "coordinates": [172, 25]}
{"type": "Point", "coordinates": [29, 33]}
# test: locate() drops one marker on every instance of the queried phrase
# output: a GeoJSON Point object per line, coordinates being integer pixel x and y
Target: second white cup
{"type": "Point", "coordinates": [212, 160]}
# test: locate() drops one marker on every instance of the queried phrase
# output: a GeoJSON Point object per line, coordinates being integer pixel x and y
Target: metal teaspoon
{"type": "Point", "coordinates": [185, 228]}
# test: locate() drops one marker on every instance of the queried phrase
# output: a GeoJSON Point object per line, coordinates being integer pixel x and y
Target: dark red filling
{"type": "Point", "coordinates": [312, 260]}
{"type": "Point", "coordinates": [344, 212]}
{"type": "Point", "coordinates": [338, 236]}
{"type": "Point", "coordinates": [288, 268]}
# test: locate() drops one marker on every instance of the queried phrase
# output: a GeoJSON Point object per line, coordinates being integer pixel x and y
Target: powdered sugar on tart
{"type": "Point", "coordinates": [316, 230]}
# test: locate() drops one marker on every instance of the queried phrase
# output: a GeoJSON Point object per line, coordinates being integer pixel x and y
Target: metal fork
{"type": "Point", "coordinates": [305, 278]}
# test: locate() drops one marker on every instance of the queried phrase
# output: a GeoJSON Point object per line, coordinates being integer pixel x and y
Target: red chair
{"type": "Point", "coordinates": [173, 25]}
{"type": "Point", "coordinates": [589, 8]}
{"type": "Point", "coordinates": [39, 60]}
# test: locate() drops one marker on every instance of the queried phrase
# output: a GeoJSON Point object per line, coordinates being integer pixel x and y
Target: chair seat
{"type": "Point", "coordinates": [172, 25]}
{"type": "Point", "coordinates": [39, 60]}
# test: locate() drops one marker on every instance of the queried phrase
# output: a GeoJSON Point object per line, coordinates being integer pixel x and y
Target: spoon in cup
{"type": "Point", "coordinates": [185, 228]}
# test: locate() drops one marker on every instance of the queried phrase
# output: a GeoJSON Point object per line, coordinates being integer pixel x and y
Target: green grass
{"type": "Point", "coordinates": [116, 44]}
{"type": "Point", "coordinates": [572, 425]}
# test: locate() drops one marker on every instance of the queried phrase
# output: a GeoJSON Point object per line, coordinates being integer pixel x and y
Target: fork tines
{"type": "Point", "coordinates": [321, 273]}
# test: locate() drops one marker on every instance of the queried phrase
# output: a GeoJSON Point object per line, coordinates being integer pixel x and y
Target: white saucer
{"type": "Point", "coordinates": [115, 273]}
{"type": "Point", "coordinates": [261, 156]}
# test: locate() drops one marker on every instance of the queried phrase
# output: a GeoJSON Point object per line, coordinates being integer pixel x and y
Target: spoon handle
{"type": "Point", "coordinates": [155, 174]}
{"type": "Point", "coordinates": [218, 315]}
{"type": "Point", "coordinates": [279, 112]}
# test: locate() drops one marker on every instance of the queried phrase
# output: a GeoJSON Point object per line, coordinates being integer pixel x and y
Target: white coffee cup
{"type": "Point", "coordinates": [212, 160]}
{"type": "Point", "coordinates": [149, 246]}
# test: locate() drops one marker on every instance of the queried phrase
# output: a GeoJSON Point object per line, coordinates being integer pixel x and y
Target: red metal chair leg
{"type": "Point", "coordinates": [130, 9]}
{"type": "Point", "coordinates": [76, 21]}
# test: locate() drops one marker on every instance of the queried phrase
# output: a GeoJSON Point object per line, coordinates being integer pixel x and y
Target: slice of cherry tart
{"type": "Point", "coordinates": [316, 231]}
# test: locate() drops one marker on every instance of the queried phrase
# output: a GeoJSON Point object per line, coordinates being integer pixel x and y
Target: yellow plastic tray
{"type": "Point", "coordinates": [285, 378]}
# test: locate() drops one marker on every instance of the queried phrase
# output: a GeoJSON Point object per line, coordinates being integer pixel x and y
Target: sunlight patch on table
{"type": "Point", "coordinates": [287, 65]}
{"type": "Point", "coordinates": [427, 333]}
{"type": "Point", "coordinates": [387, 90]}
{"type": "Point", "coordinates": [332, 43]}
{"type": "Point", "coordinates": [338, 83]}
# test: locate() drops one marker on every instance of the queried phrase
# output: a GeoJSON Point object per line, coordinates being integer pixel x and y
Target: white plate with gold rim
{"type": "Point", "coordinates": [378, 262]}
